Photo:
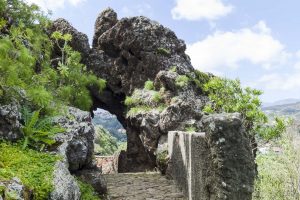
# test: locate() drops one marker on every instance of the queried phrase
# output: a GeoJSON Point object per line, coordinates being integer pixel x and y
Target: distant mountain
{"type": "Point", "coordinates": [288, 110]}
{"type": "Point", "coordinates": [110, 123]}
{"type": "Point", "coordinates": [280, 102]}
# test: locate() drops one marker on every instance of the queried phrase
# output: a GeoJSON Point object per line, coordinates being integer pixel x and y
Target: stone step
{"type": "Point", "coordinates": [141, 186]}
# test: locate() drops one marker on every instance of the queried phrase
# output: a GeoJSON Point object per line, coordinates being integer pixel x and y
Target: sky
{"type": "Point", "coordinates": [255, 41]}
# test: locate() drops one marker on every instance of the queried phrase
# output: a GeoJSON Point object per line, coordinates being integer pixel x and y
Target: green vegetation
{"type": "Point", "coordinates": [130, 101]}
{"type": "Point", "coordinates": [182, 81]}
{"type": "Point", "coordinates": [163, 51]}
{"type": "Point", "coordinates": [173, 69]}
{"type": "Point", "coordinates": [35, 169]}
{"type": "Point", "coordinates": [137, 103]}
{"type": "Point", "coordinates": [229, 96]}
{"type": "Point", "coordinates": [200, 79]}
{"type": "Point", "coordinates": [190, 128]}
{"type": "Point", "coordinates": [87, 191]}
{"type": "Point", "coordinates": [38, 132]}
{"type": "Point", "coordinates": [25, 68]}
{"type": "Point", "coordinates": [156, 97]}
{"type": "Point", "coordinates": [149, 85]}
{"type": "Point", "coordinates": [105, 143]}
{"type": "Point", "coordinates": [278, 172]}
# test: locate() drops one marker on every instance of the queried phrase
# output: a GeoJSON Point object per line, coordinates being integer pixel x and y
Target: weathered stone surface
{"type": "Point", "coordinates": [65, 185]}
{"type": "Point", "coordinates": [233, 166]}
{"type": "Point", "coordinates": [14, 189]}
{"type": "Point", "coordinates": [141, 186]}
{"type": "Point", "coordinates": [79, 41]}
{"type": "Point", "coordinates": [10, 122]}
{"type": "Point", "coordinates": [76, 144]}
{"type": "Point", "coordinates": [94, 178]}
{"type": "Point", "coordinates": [217, 164]}
{"type": "Point", "coordinates": [106, 19]}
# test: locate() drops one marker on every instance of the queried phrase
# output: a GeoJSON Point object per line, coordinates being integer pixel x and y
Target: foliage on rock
{"type": "Point", "coordinates": [26, 73]}
{"type": "Point", "coordinates": [229, 96]}
{"type": "Point", "coordinates": [35, 169]}
{"type": "Point", "coordinates": [87, 191]}
{"type": "Point", "coordinates": [38, 132]}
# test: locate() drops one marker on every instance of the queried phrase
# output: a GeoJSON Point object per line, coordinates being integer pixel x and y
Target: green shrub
{"type": "Point", "coordinates": [35, 169]}
{"type": "Point", "coordinates": [278, 172]}
{"type": "Point", "coordinates": [87, 191]}
{"type": "Point", "coordinates": [156, 97]}
{"type": "Point", "coordinates": [190, 129]}
{"type": "Point", "coordinates": [149, 85]}
{"type": "Point", "coordinates": [25, 70]}
{"type": "Point", "coordinates": [130, 101]}
{"type": "Point", "coordinates": [182, 81]}
{"type": "Point", "coordinates": [200, 79]}
{"type": "Point", "coordinates": [163, 51]}
{"type": "Point", "coordinates": [229, 96]}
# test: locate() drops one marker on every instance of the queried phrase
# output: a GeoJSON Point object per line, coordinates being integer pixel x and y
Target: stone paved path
{"type": "Point", "coordinates": [141, 186]}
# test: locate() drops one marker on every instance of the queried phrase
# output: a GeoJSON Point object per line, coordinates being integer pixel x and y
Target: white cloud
{"type": "Point", "coordinates": [54, 4]}
{"type": "Point", "coordinates": [284, 82]}
{"type": "Point", "coordinates": [200, 9]}
{"type": "Point", "coordinates": [227, 49]}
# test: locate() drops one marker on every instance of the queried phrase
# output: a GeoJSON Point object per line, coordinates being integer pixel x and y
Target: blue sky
{"type": "Point", "coordinates": [255, 41]}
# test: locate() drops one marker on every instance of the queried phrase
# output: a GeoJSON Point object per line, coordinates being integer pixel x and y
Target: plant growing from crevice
{"type": "Point", "coordinates": [163, 51]}
{"type": "Point", "coordinates": [149, 85]}
{"type": "Point", "coordinates": [182, 81]}
{"type": "Point", "coordinates": [37, 131]}
{"type": "Point", "coordinates": [190, 128]}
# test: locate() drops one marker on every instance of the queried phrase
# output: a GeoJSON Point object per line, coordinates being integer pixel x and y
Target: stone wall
{"type": "Point", "coordinates": [217, 164]}
{"type": "Point", "coordinates": [188, 162]}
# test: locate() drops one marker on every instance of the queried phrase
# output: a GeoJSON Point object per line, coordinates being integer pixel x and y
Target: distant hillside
{"type": "Point", "coordinates": [280, 102]}
{"type": "Point", "coordinates": [110, 123]}
{"type": "Point", "coordinates": [289, 110]}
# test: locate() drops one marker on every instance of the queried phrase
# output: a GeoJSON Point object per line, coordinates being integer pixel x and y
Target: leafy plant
{"type": "Point", "coordinates": [149, 85]}
{"type": "Point", "coordinates": [36, 131]}
{"type": "Point", "coordinates": [229, 96]}
{"type": "Point", "coordinates": [190, 129]}
{"type": "Point", "coordinates": [182, 81]}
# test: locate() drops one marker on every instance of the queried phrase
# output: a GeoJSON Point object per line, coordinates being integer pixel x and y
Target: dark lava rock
{"type": "Point", "coordinates": [10, 122]}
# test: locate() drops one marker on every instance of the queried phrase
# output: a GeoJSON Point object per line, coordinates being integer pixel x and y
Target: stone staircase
{"type": "Point", "coordinates": [141, 186]}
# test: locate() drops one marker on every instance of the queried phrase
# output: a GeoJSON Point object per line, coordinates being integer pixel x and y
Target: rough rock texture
{"type": "Point", "coordinates": [76, 144]}
{"type": "Point", "coordinates": [232, 167]}
{"type": "Point", "coordinates": [10, 122]}
{"type": "Point", "coordinates": [65, 185]}
{"type": "Point", "coordinates": [14, 189]}
{"type": "Point", "coordinates": [214, 164]}
{"type": "Point", "coordinates": [130, 51]}
{"type": "Point", "coordinates": [105, 20]}
{"type": "Point", "coordinates": [94, 178]}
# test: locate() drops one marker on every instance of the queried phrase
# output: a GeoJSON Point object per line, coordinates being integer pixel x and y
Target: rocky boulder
{"type": "Point", "coordinates": [10, 122]}
{"type": "Point", "coordinates": [65, 185]}
{"type": "Point", "coordinates": [76, 145]}
{"type": "Point", "coordinates": [14, 189]}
